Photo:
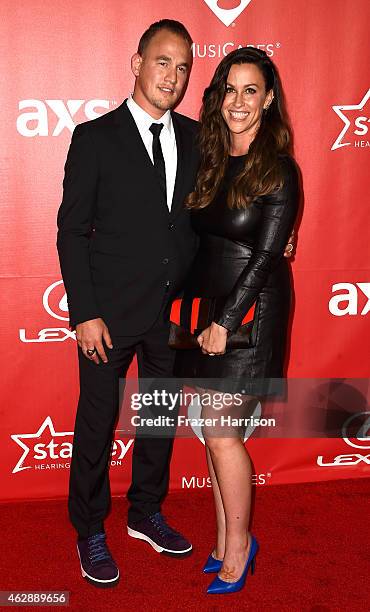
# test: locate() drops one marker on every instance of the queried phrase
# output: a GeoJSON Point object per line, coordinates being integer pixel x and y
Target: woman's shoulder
{"type": "Point", "coordinates": [287, 166]}
{"type": "Point", "coordinates": [290, 174]}
{"type": "Point", "coordinates": [290, 181]}
{"type": "Point", "coordinates": [288, 177]}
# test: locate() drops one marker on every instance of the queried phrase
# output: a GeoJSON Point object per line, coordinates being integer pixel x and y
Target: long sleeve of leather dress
{"type": "Point", "coordinates": [279, 211]}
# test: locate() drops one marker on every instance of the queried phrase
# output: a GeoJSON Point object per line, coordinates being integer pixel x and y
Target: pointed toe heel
{"type": "Point", "coordinates": [219, 586]}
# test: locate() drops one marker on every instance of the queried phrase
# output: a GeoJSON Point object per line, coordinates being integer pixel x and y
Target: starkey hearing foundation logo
{"type": "Point", "coordinates": [356, 124]}
{"type": "Point", "coordinates": [49, 449]}
{"type": "Point", "coordinates": [227, 11]}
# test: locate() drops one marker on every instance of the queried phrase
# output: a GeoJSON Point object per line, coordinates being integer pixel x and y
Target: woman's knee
{"type": "Point", "coordinates": [219, 444]}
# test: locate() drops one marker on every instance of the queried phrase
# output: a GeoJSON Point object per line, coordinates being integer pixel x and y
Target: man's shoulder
{"type": "Point", "coordinates": [186, 122]}
{"type": "Point", "coordinates": [102, 122]}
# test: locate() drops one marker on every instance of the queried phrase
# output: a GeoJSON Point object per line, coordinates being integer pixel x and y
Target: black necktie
{"type": "Point", "coordinates": [158, 158]}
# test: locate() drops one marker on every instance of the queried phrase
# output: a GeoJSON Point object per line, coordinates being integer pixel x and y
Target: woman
{"type": "Point", "coordinates": [244, 206]}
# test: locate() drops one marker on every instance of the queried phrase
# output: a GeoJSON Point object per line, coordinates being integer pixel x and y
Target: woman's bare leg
{"type": "Point", "coordinates": [219, 550]}
{"type": "Point", "coordinates": [231, 468]}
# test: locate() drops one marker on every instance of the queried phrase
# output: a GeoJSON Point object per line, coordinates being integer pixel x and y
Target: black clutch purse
{"type": "Point", "coordinates": [190, 315]}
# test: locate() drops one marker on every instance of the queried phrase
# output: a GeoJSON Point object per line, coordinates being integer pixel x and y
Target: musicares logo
{"type": "Point", "coordinates": [51, 450]}
{"type": "Point", "coordinates": [201, 482]}
{"type": "Point", "coordinates": [355, 125]}
{"type": "Point", "coordinates": [230, 13]}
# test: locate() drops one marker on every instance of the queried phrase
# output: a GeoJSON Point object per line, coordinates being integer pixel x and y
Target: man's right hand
{"type": "Point", "coordinates": [90, 335]}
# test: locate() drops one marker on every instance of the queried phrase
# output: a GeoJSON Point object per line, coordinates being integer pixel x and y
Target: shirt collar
{"type": "Point", "coordinates": [143, 119]}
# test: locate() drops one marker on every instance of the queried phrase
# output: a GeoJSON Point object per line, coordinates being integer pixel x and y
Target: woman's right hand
{"type": "Point", "coordinates": [212, 340]}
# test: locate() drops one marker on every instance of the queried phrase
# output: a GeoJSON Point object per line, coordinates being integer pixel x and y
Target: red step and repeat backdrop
{"type": "Point", "coordinates": [67, 61]}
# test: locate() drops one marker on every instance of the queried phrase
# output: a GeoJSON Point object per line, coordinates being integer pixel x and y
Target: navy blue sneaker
{"type": "Point", "coordinates": [154, 530]}
{"type": "Point", "coordinates": [97, 564]}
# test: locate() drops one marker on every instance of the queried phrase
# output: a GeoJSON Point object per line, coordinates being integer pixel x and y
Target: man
{"type": "Point", "coordinates": [125, 246]}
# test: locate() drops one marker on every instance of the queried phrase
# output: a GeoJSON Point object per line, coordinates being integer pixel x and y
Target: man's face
{"type": "Point", "coordinates": [161, 73]}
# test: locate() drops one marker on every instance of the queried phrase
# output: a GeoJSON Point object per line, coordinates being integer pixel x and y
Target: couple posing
{"type": "Point", "coordinates": [154, 202]}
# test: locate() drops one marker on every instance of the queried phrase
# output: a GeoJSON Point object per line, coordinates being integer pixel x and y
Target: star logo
{"type": "Point", "coordinates": [227, 15]}
{"type": "Point", "coordinates": [357, 120]}
{"type": "Point", "coordinates": [48, 423]}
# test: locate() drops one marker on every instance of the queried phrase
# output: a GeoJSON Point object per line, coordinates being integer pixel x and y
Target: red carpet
{"type": "Point", "coordinates": [314, 553]}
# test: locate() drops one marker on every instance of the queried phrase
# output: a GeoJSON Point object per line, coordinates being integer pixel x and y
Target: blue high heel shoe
{"type": "Point", "coordinates": [219, 586]}
{"type": "Point", "coordinates": [212, 565]}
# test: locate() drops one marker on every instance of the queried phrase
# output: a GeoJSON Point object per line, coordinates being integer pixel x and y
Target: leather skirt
{"type": "Point", "coordinates": [255, 370]}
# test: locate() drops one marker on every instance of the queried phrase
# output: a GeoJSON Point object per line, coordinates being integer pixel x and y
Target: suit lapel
{"type": "Point", "coordinates": [135, 149]}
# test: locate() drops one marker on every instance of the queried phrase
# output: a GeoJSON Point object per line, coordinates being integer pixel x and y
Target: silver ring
{"type": "Point", "coordinates": [90, 352]}
{"type": "Point", "coordinates": [211, 354]}
{"type": "Point", "coordinates": [291, 247]}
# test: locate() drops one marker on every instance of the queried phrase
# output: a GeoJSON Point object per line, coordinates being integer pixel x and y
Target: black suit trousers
{"type": "Point", "coordinates": [89, 492]}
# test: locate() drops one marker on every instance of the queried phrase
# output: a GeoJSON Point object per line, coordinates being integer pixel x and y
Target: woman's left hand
{"type": "Point", "coordinates": [288, 252]}
{"type": "Point", "coordinates": [212, 340]}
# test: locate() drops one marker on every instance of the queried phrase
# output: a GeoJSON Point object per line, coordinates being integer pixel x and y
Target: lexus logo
{"type": "Point", "coordinates": [358, 424]}
{"type": "Point", "coordinates": [55, 301]}
{"type": "Point", "coordinates": [227, 15]}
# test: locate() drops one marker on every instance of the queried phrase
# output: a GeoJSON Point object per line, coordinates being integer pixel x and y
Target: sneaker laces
{"type": "Point", "coordinates": [97, 548]}
{"type": "Point", "coordinates": [160, 524]}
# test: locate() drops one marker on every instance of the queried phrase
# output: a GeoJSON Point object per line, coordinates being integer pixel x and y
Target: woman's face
{"type": "Point", "coordinates": [244, 101]}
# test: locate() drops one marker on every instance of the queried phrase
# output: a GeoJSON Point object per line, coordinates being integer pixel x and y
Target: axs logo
{"type": "Point", "coordinates": [42, 117]}
{"type": "Point", "coordinates": [350, 300]}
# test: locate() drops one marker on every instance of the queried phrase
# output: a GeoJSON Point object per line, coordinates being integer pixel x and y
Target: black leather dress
{"type": "Point", "coordinates": [240, 262]}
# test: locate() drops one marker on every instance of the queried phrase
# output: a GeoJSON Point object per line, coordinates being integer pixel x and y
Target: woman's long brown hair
{"type": "Point", "coordinates": [261, 173]}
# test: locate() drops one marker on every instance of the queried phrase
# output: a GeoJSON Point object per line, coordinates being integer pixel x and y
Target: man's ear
{"type": "Point", "coordinates": [136, 62]}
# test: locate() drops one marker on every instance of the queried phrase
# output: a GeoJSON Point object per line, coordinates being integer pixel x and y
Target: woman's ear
{"type": "Point", "coordinates": [269, 98]}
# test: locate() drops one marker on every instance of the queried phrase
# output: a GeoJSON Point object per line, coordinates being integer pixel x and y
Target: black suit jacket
{"type": "Point", "coordinates": [118, 243]}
